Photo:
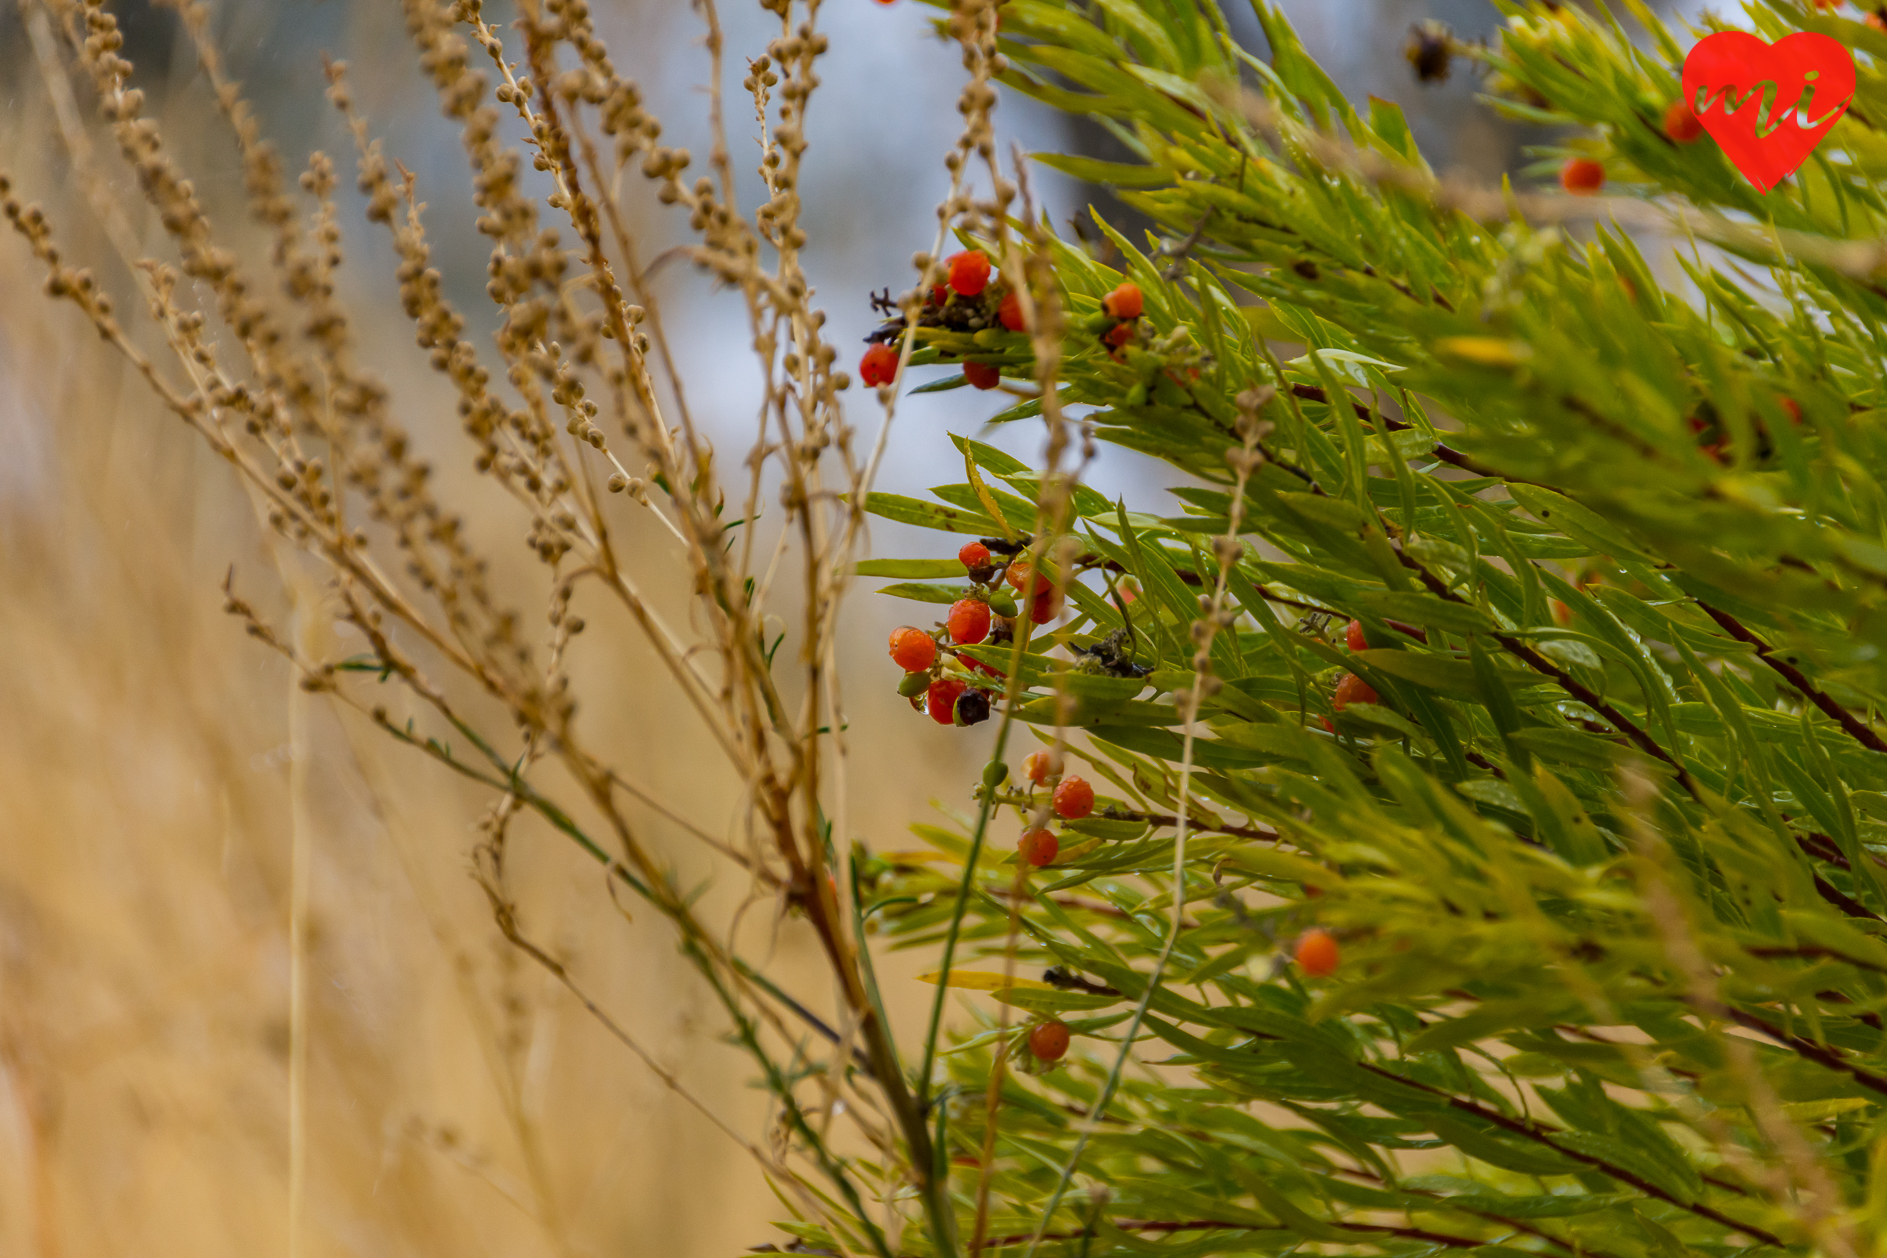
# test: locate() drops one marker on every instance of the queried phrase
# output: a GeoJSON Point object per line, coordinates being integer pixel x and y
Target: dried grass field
{"type": "Point", "coordinates": [173, 802]}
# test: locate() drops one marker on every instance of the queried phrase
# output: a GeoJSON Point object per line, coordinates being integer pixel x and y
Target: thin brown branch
{"type": "Point", "coordinates": [1212, 1225]}
{"type": "Point", "coordinates": [1856, 728]}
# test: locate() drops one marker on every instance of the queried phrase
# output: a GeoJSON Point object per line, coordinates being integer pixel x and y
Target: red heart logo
{"type": "Point", "coordinates": [1768, 105]}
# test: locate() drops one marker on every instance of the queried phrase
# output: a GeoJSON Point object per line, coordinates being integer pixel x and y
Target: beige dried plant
{"type": "Point", "coordinates": [579, 416]}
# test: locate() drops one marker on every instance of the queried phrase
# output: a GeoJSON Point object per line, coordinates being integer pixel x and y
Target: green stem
{"type": "Point", "coordinates": [777, 1081]}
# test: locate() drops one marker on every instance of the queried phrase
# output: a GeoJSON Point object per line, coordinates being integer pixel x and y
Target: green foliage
{"type": "Point", "coordinates": [1605, 862]}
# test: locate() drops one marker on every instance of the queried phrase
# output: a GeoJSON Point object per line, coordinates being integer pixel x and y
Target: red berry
{"type": "Point", "coordinates": [941, 699]}
{"type": "Point", "coordinates": [1046, 607]}
{"type": "Point", "coordinates": [977, 666]}
{"type": "Point", "coordinates": [1794, 408]}
{"type": "Point", "coordinates": [969, 271]}
{"type": "Point", "coordinates": [1038, 848]}
{"type": "Point", "coordinates": [1353, 689]}
{"type": "Point", "coordinates": [1038, 767]}
{"type": "Point", "coordinates": [1317, 953]}
{"type": "Point", "coordinates": [1124, 302]}
{"type": "Point", "coordinates": [1018, 576]}
{"type": "Point", "coordinates": [983, 375]}
{"type": "Point", "coordinates": [913, 650]}
{"type": "Point", "coordinates": [1128, 594]}
{"type": "Point", "coordinates": [968, 621]}
{"type": "Point", "coordinates": [1329, 726]}
{"type": "Point", "coordinates": [1353, 635]}
{"type": "Point", "coordinates": [1009, 314]}
{"type": "Point", "coordinates": [974, 555]}
{"type": "Point", "coordinates": [1681, 124]}
{"type": "Point", "coordinates": [1074, 799]}
{"type": "Point", "coordinates": [1582, 176]}
{"type": "Point", "coordinates": [1118, 335]}
{"type": "Point", "coordinates": [1049, 1041]}
{"type": "Point", "coordinates": [879, 365]}
{"type": "Point", "coordinates": [939, 294]}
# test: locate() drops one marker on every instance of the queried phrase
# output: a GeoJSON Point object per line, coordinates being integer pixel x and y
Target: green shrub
{"type": "Point", "coordinates": [1599, 844]}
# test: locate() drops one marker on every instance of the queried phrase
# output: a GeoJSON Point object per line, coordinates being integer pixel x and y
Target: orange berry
{"type": "Point", "coordinates": [1353, 689]}
{"type": "Point", "coordinates": [941, 699]}
{"type": "Point", "coordinates": [983, 375]}
{"type": "Point", "coordinates": [1562, 614]}
{"type": "Point", "coordinates": [1794, 408]}
{"type": "Point", "coordinates": [968, 621]}
{"type": "Point", "coordinates": [1038, 766]}
{"type": "Point", "coordinates": [1128, 594]}
{"type": "Point", "coordinates": [879, 365]}
{"type": "Point", "coordinates": [969, 271]}
{"type": "Point", "coordinates": [1353, 636]}
{"type": "Point", "coordinates": [1317, 953]}
{"type": "Point", "coordinates": [1049, 1041]}
{"type": "Point", "coordinates": [1038, 848]}
{"type": "Point", "coordinates": [1074, 799]}
{"type": "Point", "coordinates": [1046, 607]}
{"type": "Point", "coordinates": [1009, 314]}
{"type": "Point", "coordinates": [1124, 302]}
{"type": "Point", "coordinates": [912, 649]}
{"type": "Point", "coordinates": [973, 556]}
{"type": "Point", "coordinates": [1018, 576]}
{"type": "Point", "coordinates": [1118, 335]}
{"type": "Point", "coordinates": [1878, 22]}
{"type": "Point", "coordinates": [1681, 124]}
{"type": "Point", "coordinates": [1582, 176]}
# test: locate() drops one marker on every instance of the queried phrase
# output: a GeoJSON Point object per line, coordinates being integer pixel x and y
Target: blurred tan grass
{"type": "Point", "coordinates": [159, 770]}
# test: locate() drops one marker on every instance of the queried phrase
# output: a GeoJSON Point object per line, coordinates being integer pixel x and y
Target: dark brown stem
{"type": "Point", "coordinates": [1826, 1057]}
{"type": "Point", "coordinates": [1565, 680]}
{"type": "Point", "coordinates": [1207, 1225]}
{"type": "Point", "coordinates": [1534, 1132]}
{"type": "Point", "coordinates": [1446, 453]}
{"type": "Point", "coordinates": [1811, 952]}
{"type": "Point", "coordinates": [1444, 1202]}
{"type": "Point", "coordinates": [1159, 819]}
{"type": "Point", "coordinates": [1831, 893]}
{"type": "Point", "coordinates": [1795, 677]}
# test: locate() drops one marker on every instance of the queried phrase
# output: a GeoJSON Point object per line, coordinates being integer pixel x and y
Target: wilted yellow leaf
{"type": "Point", "coordinates": [984, 981]}
{"type": "Point", "coordinates": [1484, 351]}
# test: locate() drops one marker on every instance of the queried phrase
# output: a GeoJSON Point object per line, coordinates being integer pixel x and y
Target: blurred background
{"type": "Point", "coordinates": [167, 791]}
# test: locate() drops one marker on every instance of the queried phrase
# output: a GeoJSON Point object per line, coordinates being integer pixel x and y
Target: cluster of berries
{"type": "Point", "coordinates": [1120, 311]}
{"type": "Point", "coordinates": [986, 615]}
{"type": "Point", "coordinates": [1071, 798]}
{"type": "Point", "coordinates": [1583, 177]}
{"type": "Point", "coordinates": [963, 298]}
{"type": "Point", "coordinates": [1350, 687]}
{"type": "Point", "coordinates": [1875, 17]}
{"type": "Point", "coordinates": [1713, 438]}
{"type": "Point", "coordinates": [949, 701]}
